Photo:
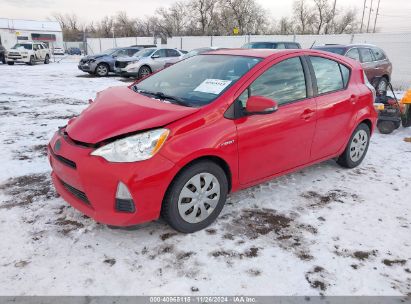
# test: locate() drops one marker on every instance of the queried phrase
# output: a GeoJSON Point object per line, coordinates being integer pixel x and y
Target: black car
{"type": "Point", "coordinates": [272, 45]}
{"type": "Point", "coordinates": [2, 54]}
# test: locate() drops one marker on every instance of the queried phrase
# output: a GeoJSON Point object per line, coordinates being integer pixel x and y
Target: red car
{"type": "Point", "coordinates": [176, 143]}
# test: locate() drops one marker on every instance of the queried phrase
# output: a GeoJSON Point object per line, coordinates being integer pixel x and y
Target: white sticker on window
{"type": "Point", "coordinates": [212, 86]}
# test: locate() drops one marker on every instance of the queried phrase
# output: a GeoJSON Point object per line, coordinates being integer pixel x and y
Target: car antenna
{"type": "Point", "coordinates": [313, 44]}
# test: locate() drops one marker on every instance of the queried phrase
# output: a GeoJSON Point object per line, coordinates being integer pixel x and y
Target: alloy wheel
{"type": "Point", "coordinates": [199, 197]}
{"type": "Point", "coordinates": [358, 145]}
{"type": "Point", "coordinates": [102, 70]}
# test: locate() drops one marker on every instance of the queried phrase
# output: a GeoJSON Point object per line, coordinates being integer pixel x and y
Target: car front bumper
{"type": "Point", "coordinates": [87, 67]}
{"type": "Point", "coordinates": [89, 183]}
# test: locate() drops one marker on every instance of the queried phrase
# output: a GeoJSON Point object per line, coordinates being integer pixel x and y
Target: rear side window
{"type": "Point", "coordinates": [292, 46]}
{"type": "Point", "coordinates": [366, 55]}
{"type": "Point", "coordinates": [280, 46]}
{"type": "Point", "coordinates": [331, 76]}
{"type": "Point", "coordinates": [353, 54]}
{"type": "Point", "coordinates": [378, 54]}
{"type": "Point", "coordinates": [283, 82]}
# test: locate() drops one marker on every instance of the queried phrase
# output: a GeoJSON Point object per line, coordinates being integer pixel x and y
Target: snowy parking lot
{"type": "Point", "coordinates": [322, 230]}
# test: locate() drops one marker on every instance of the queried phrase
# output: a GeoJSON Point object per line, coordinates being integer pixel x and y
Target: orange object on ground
{"type": "Point", "coordinates": [407, 97]}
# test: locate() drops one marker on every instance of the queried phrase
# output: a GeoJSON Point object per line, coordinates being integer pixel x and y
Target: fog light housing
{"type": "Point", "coordinates": [124, 200]}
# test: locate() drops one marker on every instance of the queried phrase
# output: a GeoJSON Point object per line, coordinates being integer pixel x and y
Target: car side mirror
{"type": "Point", "coordinates": [155, 56]}
{"type": "Point", "coordinates": [260, 105]}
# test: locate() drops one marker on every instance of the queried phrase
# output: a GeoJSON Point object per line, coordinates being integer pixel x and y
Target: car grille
{"type": "Point", "coordinates": [77, 193]}
{"type": "Point", "coordinates": [63, 160]}
{"type": "Point", "coordinates": [121, 64]}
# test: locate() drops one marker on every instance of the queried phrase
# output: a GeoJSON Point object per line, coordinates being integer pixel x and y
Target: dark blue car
{"type": "Point", "coordinates": [74, 51]}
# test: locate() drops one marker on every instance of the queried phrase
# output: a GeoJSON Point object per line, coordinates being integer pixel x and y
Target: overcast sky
{"type": "Point", "coordinates": [395, 15]}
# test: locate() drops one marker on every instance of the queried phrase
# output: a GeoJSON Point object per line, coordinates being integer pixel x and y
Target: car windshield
{"type": "Point", "coordinates": [339, 51]}
{"type": "Point", "coordinates": [198, 80]}
{"type": "Point", "coordinates": [26, 46]}
{"type": "Point", "coordinates": [144, 53]}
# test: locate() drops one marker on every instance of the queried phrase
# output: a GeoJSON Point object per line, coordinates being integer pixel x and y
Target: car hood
{"type": "Point", "coordinates": [96, 56]}
{"type": "Point", "coordinates": [120, 110]}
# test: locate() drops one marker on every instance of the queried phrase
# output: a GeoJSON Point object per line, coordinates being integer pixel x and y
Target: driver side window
{"type": "Point", "coordinates": [284, 82]}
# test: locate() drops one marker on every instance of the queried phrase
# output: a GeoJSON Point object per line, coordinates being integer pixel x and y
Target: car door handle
{"type": "Point", "coordinates": [307, 114]}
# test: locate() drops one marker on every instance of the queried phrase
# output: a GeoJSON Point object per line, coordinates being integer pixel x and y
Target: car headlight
{"type": "Point", "coordinates": [134, 148]}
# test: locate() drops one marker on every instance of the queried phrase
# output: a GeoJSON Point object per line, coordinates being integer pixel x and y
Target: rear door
{"type": "Point", "coordinates": [382, 64]}
{"type": "Point", "coordinates": [336, 106]}
{"type": "Point", "coordinates": [272, 143]}
{"type": "Point", "coordinates": [172, 56]}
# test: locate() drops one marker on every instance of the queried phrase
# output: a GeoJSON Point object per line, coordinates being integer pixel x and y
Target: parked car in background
{"type": "Point", "coordinates": [28, 52]}
{"type": "Point", "coordinates": [102, 64]}
{"type": "Point", "coordinates": [194, 53]}
{"type": "Point", "coordinates": [272, 45]}
{"type": "Point", "coordinates": [74, 51]}
{"type": "Point", "coordinates": [144, 46]}
{"type": "Point", "coordinates": [58, 51]}
{"type": "Point", "coordinates": [147, 61]}
{"type": "Point", "coordinates": [2, 54]}
{"type": "Point", "coordinates": [177, 142]}
{"type": "Point", "coordinates": [374, 61]}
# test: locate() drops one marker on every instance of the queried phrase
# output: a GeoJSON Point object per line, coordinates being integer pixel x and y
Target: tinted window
{"type": "Point", "coordinates": [353, 54]}
{"type": "Point", "coordinates": [366, 55]}
{"type": "Point", "coordinates": [280, 46]}
{"type": "Point", "coordinates": [172, 53]}
{"type": "Point", "coordinates": [283, 82]}
{"type": "Point", "coordinates": [131, 52]}
{"type": "Point", "coordinates": [121, 53]}
{"type": "Point", "coordinates": [345, 72]}
{"type": "Point", "coordinates": [328, 75]}
{"type": "Point", "coordinates": [378, 54]}
{"type": "Point", "coordinates": [26, 46]}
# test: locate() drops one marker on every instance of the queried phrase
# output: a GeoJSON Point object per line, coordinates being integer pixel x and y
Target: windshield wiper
{"type": "Point", "coordinates": [162, 96]}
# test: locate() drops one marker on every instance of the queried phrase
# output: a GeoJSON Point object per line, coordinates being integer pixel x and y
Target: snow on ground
{"type": "Point", "coordinates": [322, 230]}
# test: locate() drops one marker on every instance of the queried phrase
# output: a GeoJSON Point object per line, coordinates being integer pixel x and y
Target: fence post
{"type": "Point", "coordinates": [352, 38]}
{"type": "Point", "coordinates": [181, 43]}
{"type": "Point", "coordinates": [294, 38]}
{"type": "Point", "coordinates": [99, 39]}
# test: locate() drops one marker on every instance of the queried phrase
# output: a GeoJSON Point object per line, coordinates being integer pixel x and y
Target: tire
{"type": "Point", "coordinates": [380, 85]}
{"type": "Point", "coordinates": [47, 59]}
{"type": "Point", "coordinates": [386, 126]}
{"type": "Point", "coordinates": [184, 205]}
{"type": "Point", "coordinates": [357, 147]}
{"type": "Point", "coordinates": [144, 71]}
{"type": "Point", "coordinates": [102, 70]}
{"type": "Point", "coordinates": [32, 61]}
{"type": "Point", "coordinates": [10, 62]}
{"type": "Point", "coordinates": [406, 117]}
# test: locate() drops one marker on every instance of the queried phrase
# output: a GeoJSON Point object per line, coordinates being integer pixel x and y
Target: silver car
{"type": "Point", "coordinates": [146, 61]}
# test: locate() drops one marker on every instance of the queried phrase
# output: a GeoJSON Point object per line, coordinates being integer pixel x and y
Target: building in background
{"type": "Point", "coordinates": [15, 30]}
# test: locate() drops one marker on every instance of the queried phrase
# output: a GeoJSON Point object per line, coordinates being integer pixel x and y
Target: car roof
{"type": "Point", "coordinates": [332, 46]}
{"type": "Point", "coordinates": [259, 53]}
{"type": "Point", "coordinates": [273, 42]}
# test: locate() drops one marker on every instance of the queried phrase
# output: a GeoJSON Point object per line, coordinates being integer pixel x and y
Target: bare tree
{"type": "Point", "coordinates": [304, 17]}
{"type": "Point", "coordinates": [205, 14]}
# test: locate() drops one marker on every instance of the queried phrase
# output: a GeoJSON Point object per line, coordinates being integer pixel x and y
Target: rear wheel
{"type": "Point", "coordinates": [144, 71]}
{"type": "Point", "coordinates": [357, 147]}
{"type": "Point", "coordinates": [196, 197]}
{"type": "Point", "coordinates": [10, 62]}
{"type": "Point", "coordinates": [386, 126]}
{"type": "Point", "coordinates": [380, 85]}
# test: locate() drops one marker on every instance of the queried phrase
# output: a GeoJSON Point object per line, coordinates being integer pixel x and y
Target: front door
{"type": "Point", "coordinates": [272, 143]}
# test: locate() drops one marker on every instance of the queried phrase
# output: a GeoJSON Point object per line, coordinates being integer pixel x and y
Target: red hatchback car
{"type": "Point", "coordinates": [177, 142]}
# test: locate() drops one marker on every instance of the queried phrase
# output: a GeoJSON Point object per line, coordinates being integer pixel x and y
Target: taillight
{"type": "Point", "coordinates": [369, 85]}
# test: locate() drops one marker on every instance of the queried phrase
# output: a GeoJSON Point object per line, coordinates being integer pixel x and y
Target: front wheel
{"type": "Point", "coordinates": [102, 70]}
{"type": "Point", "coordinates": [47, 59]}
{"type": "Point", "coordinates": [32, 61]}
{"type": "Point", "coordinates": [144, 71]}
{"type": "Point", "coordinates": [357, 147]}
{"type": "Point", "coordinates": [10, 63]}
{"type": "Point", "coordinates": [196, 197]}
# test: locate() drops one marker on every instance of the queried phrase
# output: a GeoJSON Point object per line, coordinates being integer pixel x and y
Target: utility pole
{"type": "Point", "coordinates": [363, 14]}
{"type": "Point", "coordinates": [376, 15]}
{"type": "Point", "coordinates": [369, 16]}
